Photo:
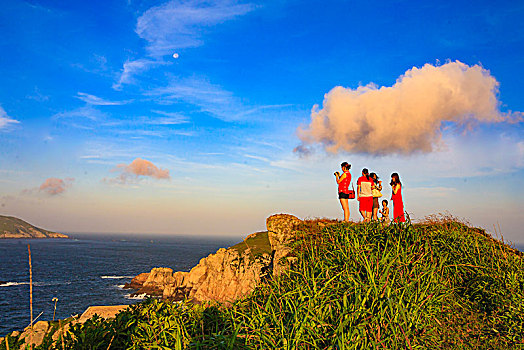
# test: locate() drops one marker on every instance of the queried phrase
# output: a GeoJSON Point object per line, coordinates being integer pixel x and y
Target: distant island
{"type": "Point", "coordinates": [11, 227]}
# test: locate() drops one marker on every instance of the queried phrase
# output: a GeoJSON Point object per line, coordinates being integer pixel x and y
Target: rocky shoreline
{"type": "Point", "coordinates": [228, 274]}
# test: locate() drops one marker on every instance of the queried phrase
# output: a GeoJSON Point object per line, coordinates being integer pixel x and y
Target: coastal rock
{"type": "Point", "coordinates": [39, 331]}
{"type": "Point", "coordinates": [282, 232]}
{"type": "Point", "coordinates": [157, 280]}
{"type": "Point", "coordinates": [102, 311]}
{"type": "Point", "coordinates": [137, 281]}
{"type": "Point", "coordinates": [230, 273]}
{"type": "Point", "coordinates": [226, 275]}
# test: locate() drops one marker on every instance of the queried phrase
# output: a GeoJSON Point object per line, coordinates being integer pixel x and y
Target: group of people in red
{"type": "Point", "coordinates": [369, 190]}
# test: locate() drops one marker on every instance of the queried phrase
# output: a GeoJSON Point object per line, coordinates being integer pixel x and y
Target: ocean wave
{"type": "Point", "coordinates": [36, 284]}
{"type": "Point", "coordinates": [135, 297]}
{"type": "Point", "coordinates": [115, 277]}
{"type": "Point", "coordinates": [9, 284]}
{"type": "Point", "coordinates": [120, 286]}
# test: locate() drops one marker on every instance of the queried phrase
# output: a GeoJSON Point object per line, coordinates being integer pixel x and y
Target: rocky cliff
{"type": "Point", "coordinates": [229, 273]}
{"type": "Point", "coordinates": [11, 227]}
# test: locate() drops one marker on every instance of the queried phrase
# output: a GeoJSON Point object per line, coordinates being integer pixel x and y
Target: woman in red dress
{"type": "Point", "coordinates": [396, 197]}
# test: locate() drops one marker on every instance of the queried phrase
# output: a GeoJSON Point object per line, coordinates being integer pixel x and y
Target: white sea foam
{"type": "Point", "coordinates": [135, 297]}
{"type": "Point", "coordinates": [9, 284]}
{"type": "Point", "coordinates": [116, 277]}
{"type": "Point", "coordinates": [120, 286]}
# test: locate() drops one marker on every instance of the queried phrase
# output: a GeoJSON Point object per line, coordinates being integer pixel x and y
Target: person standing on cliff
{"type": "Point", "coordinates": [365, 195]}
{"type": "Point", "coordinates": [343, 182]}
{"type": "Point", "coordinates": [396, 197]}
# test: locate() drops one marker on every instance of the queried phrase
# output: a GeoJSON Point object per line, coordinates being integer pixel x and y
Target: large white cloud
{"type": "Point", "coordinates": [407, 117]}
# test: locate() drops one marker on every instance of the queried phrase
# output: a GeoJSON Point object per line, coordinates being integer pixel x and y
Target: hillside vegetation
{"type": "Point", "coordinates": [11, 227]}
{"type": "Point", "coordinates": [435, 285]}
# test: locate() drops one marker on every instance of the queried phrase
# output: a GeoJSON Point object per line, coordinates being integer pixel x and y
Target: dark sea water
{"type": "Point", "coordinates": [88, 269]}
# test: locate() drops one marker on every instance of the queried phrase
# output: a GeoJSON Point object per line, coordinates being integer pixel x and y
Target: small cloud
{"type": "Point", "coordinates": [138, 167]}
{"type": "Point", "coordinates": [6, 120]}
{"type": "Point", "coordinates": [171, 118]}
{"type": "Point", "coordinates": [262, 159]}
{"type": "Point", "coordinates": [133, 67]}
{"type": "Point", "coordinates": [86, 112]}
{"type": "Point", "coordinates": [303, 151]}
{"type": "Point", "coordinates": [98, 101]}
{"type": "Point", "coordinates": [53, 186]}
{"type": "Point", "coordinates": [38, 96]}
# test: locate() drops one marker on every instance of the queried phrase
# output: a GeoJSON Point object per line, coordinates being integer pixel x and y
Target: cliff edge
{"type": "Point", "coordinates": [230, 273]}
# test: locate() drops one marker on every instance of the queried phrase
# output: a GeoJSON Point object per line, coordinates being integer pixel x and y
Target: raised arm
{"type": "Point", "coordinates": [340, 177]}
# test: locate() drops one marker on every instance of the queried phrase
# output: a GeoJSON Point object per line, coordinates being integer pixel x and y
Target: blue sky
{"type": "Point", "coordinates": [89, 87]}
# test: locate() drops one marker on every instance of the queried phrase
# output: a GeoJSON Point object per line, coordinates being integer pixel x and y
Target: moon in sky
{"type": "Point", "coordinates": [175, 55]}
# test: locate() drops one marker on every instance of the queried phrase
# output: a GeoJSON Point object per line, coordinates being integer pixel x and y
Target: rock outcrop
{"type": "Point", "coordinates": [229, 273]}
{"type": "Point", "coordinates": [42, 329]}
{"type": "Point", "coordinates": [282, 232]}
{"type": "Point", "coordinates": [11, 227]}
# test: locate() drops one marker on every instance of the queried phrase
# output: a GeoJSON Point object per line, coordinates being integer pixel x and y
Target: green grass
{"type": "Point", "coordinates": [258, 243]}
{"type": "Point", "coordinates": [16, 225]}
{"type": "Point", "coordinates": [438, 285]}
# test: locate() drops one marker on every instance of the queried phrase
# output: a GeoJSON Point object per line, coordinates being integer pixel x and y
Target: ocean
{"type": "Point", "coordinates": [86, 270]}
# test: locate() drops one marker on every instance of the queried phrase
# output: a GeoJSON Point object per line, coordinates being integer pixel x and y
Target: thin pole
{"type": "Point", "coordinates": [55, 299]}
{"type": "Point", "coordinates": [30, 292]}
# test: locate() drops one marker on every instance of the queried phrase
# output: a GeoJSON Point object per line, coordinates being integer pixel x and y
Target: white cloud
{"type": "Point", "coordinates": [409, 116]}
{"type": "Point", "coordinates": [6, 120]}
{"type": "Point", "coordinates": [133, 67]}
{"type": "Point", "coordinates": [209, 97]}
{"type": "Point", "coordinates": [38, 96]}
{"type": "Point", "coordinates": [262, 159]}
{"type": "Point", "coordinates": [86, 112]}
{"type": "Point", "coordinates": [180, 24]}
{"type": "Point", "coordinates": [98, 101]}
{"type": "Point", "coordinates": [176, 25]}
{"type": "Point", "coordinates": [170, 118]}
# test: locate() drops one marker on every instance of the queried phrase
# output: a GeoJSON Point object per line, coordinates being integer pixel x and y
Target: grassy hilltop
{"type": "Point", "coordinates": [435, 285]}
{"type": "Point", "coordinates": [11, 227]}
